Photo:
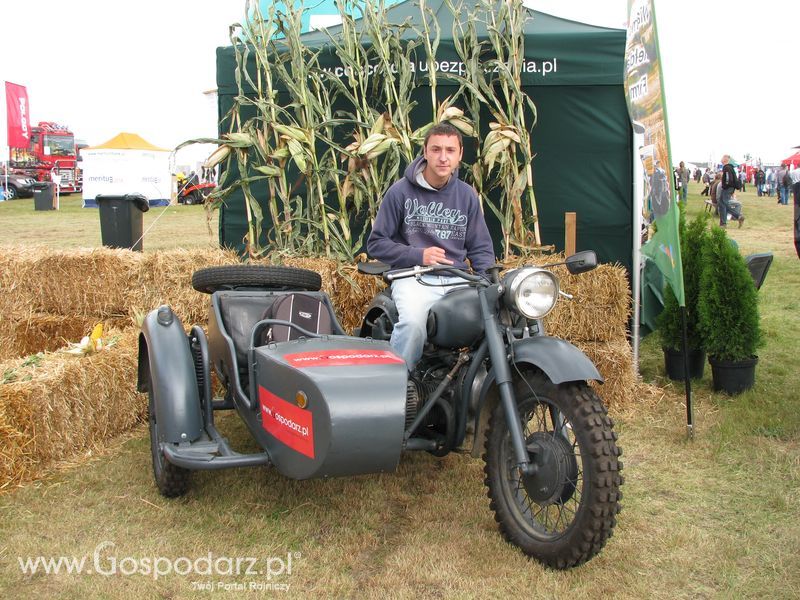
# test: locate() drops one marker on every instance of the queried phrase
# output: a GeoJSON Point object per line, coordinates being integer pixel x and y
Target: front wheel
{"type": "Point", "coordinates": [564, 513]}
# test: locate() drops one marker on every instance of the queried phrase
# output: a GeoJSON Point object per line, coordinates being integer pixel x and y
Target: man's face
{"type": "Point", "coordinates": [443, 153]}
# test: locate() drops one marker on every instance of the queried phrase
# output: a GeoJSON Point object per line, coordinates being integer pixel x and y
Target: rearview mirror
{"type": "Point", "coordinates": [580, 262]}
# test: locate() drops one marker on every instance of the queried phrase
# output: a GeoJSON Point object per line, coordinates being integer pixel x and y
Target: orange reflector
{"type": "Point", "coordinates": [301, 399]}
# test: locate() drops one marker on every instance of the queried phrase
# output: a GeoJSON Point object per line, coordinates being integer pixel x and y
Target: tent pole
{"type": "Point", "coordinates": [638, 189]}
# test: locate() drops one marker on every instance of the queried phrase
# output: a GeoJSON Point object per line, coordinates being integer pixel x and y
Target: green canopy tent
{"type": "Point", "coordinates": [582, 140]}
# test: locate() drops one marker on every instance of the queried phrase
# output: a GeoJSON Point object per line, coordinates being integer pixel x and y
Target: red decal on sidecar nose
{"type": "Point", "coordinates": [286, 422]}
{"type": "Point", "coordinates": [342, 358]}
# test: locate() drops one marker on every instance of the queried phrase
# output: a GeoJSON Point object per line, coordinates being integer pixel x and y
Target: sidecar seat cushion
{"type": "Point", "coordinates": [240, 312]}
{"type": "Point", "coordinates": [306, 311]}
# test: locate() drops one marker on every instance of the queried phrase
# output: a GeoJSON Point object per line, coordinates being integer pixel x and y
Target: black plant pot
{"type": "Point", "coordinates": [733, 377]}
{"type": "Point", "coordinates": [673, 363]}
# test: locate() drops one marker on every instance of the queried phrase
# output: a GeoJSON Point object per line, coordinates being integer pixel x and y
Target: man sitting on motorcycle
{"type": "Point", "coordinates": [429, 217]}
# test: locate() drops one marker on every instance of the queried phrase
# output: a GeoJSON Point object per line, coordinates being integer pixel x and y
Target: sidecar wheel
{"type": "Point", "coordinates": [172, 481]}
{"type": "Point", "coordinates": [233, 277]}
{"type": "Point", "coordinates": [564, 513]}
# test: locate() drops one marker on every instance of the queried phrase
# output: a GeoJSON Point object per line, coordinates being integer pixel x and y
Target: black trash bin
{"type": "Point", "coordinates": [121, 220]}
{"type": "Point", "coordinates": [43, 194]}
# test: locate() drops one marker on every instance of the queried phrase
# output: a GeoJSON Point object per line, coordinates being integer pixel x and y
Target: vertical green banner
{"type": "Point", "coordinates": [644, 92]}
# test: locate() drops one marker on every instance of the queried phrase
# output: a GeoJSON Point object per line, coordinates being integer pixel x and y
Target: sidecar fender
{"type": "Point", "coordinates": [557, 358]}
{"type": "Point", "coordinates": [165, 362]}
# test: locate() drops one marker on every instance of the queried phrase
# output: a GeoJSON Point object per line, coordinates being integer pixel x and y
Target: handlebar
{"type": "Point", "coordinates": [418, 270]}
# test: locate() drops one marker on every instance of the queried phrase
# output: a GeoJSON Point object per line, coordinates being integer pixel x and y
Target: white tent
{"type": "Point", "coordinates": [126, 164]}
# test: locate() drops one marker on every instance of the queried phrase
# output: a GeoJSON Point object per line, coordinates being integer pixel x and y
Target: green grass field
{"type": "Point", "coordinates": [712, 517]}
{"type": "Point", "coordinates": [73, 226]}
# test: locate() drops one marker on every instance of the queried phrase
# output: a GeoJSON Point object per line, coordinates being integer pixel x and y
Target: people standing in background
{"type": "Point", "coordinates": [683, 179]}
{"type": "Point", "coordinates": [712, 194]}
{"type": "Point", "coordinates": [760, 180]}
{"type": "Point", "coordinates": [707, 178]}
{"type": "Point", "coordinates": [770, 181]}
{"type": "Point", "coordinates": [781, 183]}
{"type": "Point", "coordinates": [742, 178]}
{"type": "Point", "coordinates": [729, 184]}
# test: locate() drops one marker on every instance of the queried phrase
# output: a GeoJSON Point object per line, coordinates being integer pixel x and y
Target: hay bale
{"type": "Point", "coordinates": [614, 360]}
{"type": "Point", "coordinates": [166, 278]}
{"type": "Point", "coordinates": [600, 308]}
{"type": "Point", "coordinates": [82, 282]}
{"type": "Point", "coordinates": [66, 404]}
{"type": "Point", "coordinates": [42, 332]}
{"type": "Point", "coordinates": [599, 311]}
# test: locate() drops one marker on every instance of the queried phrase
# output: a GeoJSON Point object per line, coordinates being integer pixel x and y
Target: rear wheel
{"type": "Point", "coordinates": [172, 481]}
{"type": "Point", "coordinates": [194, 197]}
{"type": "Point", "coordinates": [258, 277]}
{"type": "Point", "coordinates": [12, 193]}
{"type": "Point", "coordinates": [564, 513]}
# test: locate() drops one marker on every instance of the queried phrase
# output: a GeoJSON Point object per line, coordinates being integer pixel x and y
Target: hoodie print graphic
{"type": "Point", "coordinates": [434, 220]}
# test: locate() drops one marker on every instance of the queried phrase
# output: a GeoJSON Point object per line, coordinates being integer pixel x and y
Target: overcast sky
{"type": "Point", "coordinates": [102, 67]}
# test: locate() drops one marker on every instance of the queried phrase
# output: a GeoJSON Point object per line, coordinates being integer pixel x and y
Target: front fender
{"type": "Point", "coordinates": [557, 358]}
{"type": "Point", "coordinates": [165, 360]}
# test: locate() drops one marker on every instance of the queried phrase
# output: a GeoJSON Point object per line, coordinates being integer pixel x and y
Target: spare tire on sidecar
{"type": "Point", "coordinates": [232, 277]}
{"type": "Point", "coordinates": [296, 396]}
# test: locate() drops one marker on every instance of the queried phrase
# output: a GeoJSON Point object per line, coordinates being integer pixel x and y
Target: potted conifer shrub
{"type": "Point", "coordinates": [728, 311]}
{"type": "Point", "coordinates": [670, 321]}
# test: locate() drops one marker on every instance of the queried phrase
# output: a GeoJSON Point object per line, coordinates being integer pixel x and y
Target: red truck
{"type": "Point", "coordinates": [50, 152]}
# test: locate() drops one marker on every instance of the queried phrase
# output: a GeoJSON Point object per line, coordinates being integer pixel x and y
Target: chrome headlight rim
{"type": "Point", "coordinates": [514, 284]}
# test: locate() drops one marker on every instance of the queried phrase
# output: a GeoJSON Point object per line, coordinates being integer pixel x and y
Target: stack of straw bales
{"type": "Point", "coordinates": [61, 405]}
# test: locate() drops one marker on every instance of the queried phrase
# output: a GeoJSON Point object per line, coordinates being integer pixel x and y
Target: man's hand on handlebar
{"type": "Point", "coordinates": [435, 256]}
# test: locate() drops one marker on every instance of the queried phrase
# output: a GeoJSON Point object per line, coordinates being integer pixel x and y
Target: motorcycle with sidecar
{"type": "Point", "coordinates": [322, 403]}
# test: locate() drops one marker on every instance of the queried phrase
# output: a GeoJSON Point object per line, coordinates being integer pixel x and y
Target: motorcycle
{"type": "Point", "coordinates": [322, 403]}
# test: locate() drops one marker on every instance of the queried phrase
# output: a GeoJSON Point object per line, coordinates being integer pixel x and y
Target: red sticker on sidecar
{"type": "Point", "coordinates": [286, 422]}
{"type": "Point", "coordinates": [343, 358]}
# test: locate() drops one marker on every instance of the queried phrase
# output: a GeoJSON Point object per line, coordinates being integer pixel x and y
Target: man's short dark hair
{"type": "Point", "coordinates": [443, 128]}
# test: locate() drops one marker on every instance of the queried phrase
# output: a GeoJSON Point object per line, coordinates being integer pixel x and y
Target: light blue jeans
{"type": "Point", "coordinates": [413, 301]}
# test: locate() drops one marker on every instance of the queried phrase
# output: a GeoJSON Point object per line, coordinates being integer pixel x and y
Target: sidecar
{"type": "Point", "coordinates": [319, 402]}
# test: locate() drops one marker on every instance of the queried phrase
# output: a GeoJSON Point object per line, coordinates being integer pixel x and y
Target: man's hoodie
{"type": "Point", "coordinates": [414, 216]}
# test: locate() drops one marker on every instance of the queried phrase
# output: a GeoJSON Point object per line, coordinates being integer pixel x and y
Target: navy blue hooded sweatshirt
{"type": "Point", "coordinates": [414, 216]}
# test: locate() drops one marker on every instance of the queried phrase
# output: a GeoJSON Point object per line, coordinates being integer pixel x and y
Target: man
{"type": "Point", "coordinates": [729, 184]}
{"type": "Point", "coordinates": [707, 179]}
{"type": "Point", "coordinates": [757, 182]}
{"type": "Point", "coordinates": [429, 217]}
{"type": "Point", "coordinates": [770, 181]}
{"type": "Point", "coordinates": [783, 191]}
{"type": "Point", "coordinates": [683, 180]}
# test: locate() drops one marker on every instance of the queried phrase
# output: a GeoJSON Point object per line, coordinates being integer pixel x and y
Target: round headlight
{"type": "Point", "coordinates": [533, 292]}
